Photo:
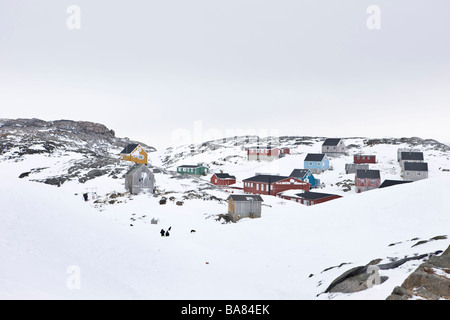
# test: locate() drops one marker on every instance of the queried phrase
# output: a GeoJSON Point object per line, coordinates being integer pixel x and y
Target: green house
{"type": "Point", "coordinates": [199, 169]}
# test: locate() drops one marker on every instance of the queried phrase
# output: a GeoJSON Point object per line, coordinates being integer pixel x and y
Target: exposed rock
{"type": "Point", "coordinates": [356, 279]}
{"type": "Point", "coordinates": [431, 280]}
{"type": "Point", "coordinates": [98, 146]}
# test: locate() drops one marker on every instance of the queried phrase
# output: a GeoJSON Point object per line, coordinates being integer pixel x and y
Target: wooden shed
{"type": "Point", "coordinates": [244, 206]}
{"type": "Point", "coordinates": [139, 178]}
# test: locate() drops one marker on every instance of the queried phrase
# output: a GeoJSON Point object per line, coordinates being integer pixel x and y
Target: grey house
{"type": "Point", "coordinates": [400, 150]}
{"type": "Point", "coordinates": [333, 147]}
{"type": "Point", "coordinates": [244, 206]}
{"type": "Point", "coordinates": [139, 178]}
{"type": "Point", "coordinates": [352, 167]}
{"type": "Point", "coordinates": [414, 171]}
{"type": "Point", "coordinates": [410, 157]}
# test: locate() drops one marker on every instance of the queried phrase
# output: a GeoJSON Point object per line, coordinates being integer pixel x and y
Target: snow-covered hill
{"type": "Point", "coordinates": [50, 236]}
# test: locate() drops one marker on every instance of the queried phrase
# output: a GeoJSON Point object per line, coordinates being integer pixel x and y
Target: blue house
{"type": "Point", "coordinates": [316, 162]}
{"type": "Point", "coordinates": [306, 176]}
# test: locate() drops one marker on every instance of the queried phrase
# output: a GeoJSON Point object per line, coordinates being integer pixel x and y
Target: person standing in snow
{"type": "Point", "coordinates": [162, 232]}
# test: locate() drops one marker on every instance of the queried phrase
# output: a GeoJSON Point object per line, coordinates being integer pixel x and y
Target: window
{"type": "Point", "coordinates": [215, 180]}
{"type": "Point", "coordinates": [310, 164]}
{"type": "Point", "coordinates": [267, 187]}
{"type": "Point", "coordinates": [257, 186]}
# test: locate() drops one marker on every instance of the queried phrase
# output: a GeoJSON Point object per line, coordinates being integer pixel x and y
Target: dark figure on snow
{"type": "Point", "coordinates": [167, 233]}
{"type": "Point", "coordinates": [162, 232]}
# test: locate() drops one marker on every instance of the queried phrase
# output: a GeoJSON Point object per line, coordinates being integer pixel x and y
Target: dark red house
{"type": "Point", "coordinates": [272, 184]}
{"type": "Point", "coordinates": [308, 198]}
{"type": "Point", "coordinates": [222, 179]}
{"type": "Point", "coordinates": [364, 158]}
{"type": "Point", "coordinates": [367, 180]}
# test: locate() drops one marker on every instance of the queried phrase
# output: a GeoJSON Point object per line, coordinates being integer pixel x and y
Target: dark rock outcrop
{"type": "Point", "coordinates": [430, 281]}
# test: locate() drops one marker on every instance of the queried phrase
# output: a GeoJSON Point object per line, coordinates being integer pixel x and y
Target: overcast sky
{"type": "Point", "coordinates": [156, 71]}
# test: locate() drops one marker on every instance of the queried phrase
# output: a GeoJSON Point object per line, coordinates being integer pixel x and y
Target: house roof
{"type": "Point", "coordinates": [412, 155]}
{"type": "Point", "coordinates": [368, 174]}
{"type": "Point", "coordinates": [416, 166]}
{"type": "Point", "coordinates": [266, 178]}
{"type": "Point", "coordinates": [129, 148]}
{"type": "Point", "coordinates": [189, 166]}
{"type": "Point", "coordinates": [315, 156]}
{"type": "Point", "coordinates": [299, 173]}
{"type": "Point", "coordinates": [224, 176]}
{"type": "Point", "coordinates": [314, 195]}
{"type": "Point", "coordinates": [135, 168]}
{"type": "Point", "coordinates": [390, 183]}
{"type": "Point", "coordinates": [245, 197]}
{"type": "Point", "coordinates": [267, 147]}
{"type": "Point", "coordinates": [363, 155]}
{"type": "Point", "coordinates": [331, 142]}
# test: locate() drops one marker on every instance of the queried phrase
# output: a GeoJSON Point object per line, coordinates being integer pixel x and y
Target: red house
{"type": "Point", "coordinates": [364, 158]}
{"type": "Point", "coordinates": [222, 179]}
{"type": "Point", "coordinates": [271, 184]}
{"type": "Point", "coordinates": [266, 153]}
{"type": "Point", "coordinates": [307, 198]}
{"type": "Point", "coordinates": [367, 180]}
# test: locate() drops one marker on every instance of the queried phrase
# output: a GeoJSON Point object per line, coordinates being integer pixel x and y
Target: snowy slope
{"type": "Point", "coordinates": [45, 229]}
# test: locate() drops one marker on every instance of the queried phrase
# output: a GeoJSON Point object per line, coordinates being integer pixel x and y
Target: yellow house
{"type": "Point", "coordinates": [135, 153]}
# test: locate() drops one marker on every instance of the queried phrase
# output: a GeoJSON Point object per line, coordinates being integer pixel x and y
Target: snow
{"type": "Point", "coordinates": [46, 230]}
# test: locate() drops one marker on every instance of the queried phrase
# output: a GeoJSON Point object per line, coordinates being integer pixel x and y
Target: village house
{"type": "Point", "coordinates": [316, 162]}
{"type": "Point", "coordinates": [196, 170]}
{"type": "Point", "coordinates": [333, 147]}
{"type": "Point", "coordinates": [244, 206]}
{"type": "Point", "coordinates": [223, 179]}
{"type": "Point", "coordinates": [414, 171]}
{"type": "Point", "coordinates": [139, 179]}
{"type": "Point", "coordinates": [352, 167]}
{"type": "Point", "coordinates": [307, 198]}
{"type": "Point", "coordinates": [273, 184]}
{"type": "Point", "coordinates": [364, 158]}
{"type": "Point", "coordinates": [306, 176]}
{"type": "Point", "coordinates": [400, 150]}
{"type": "Point", "coordinates": [266, 153]}
{"type": "Point", "coordinates": [134, 153]}
{"type": "Point", "coordinates": [410, 157]}
{"type": "Point", "coordinates": [367, 180]}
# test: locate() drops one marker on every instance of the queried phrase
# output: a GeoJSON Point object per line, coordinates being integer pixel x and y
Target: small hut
{"type": "Point", "coordinates": [244, 206]}
{"type": "Point", "coordinates": [139, 178]}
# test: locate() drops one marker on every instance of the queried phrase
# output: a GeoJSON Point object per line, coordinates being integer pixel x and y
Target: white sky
{"type": "Point", "coordinates": [155, 70]}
